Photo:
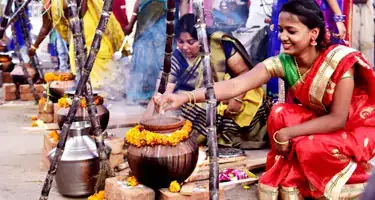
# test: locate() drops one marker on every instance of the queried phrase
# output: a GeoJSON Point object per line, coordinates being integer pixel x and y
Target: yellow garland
{"type": "Point", "coordinates": [66, 102]}
{"type": "Point", "coordinates": [132, 181]}
{"type": "Point", "coordinates": [140, 138]}
{"type": "Point", "coordinates": [34, 124]}
{"type": "Point", "coordinates": [50, 76]}
{"type": "Point", "coordinates": [97, 196]}
{"type": "Point", "coordinates": [174, 187]}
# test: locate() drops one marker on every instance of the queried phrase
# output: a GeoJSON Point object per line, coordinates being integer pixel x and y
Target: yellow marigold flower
{"type": "Point", "coordinates": [250, 174]}
{"type": "Point", "coordinates": [132, 181]}
{"type": "Point", "coordinates": [42, 101]}
{"type": "Point", "coordinates": [63, 103]}
{"type": "Point", "coordinates": [34, 118]}
{"type": "Point", "coordinates": [34, 124]}
{"type": "Point", "coordinates": [54, 136]}
{"type": "Point", "coordinates": [83, 103]}
{"type": "Point", "coordinates": [49, 77]}
{"type": "Point", "coordinates": [97, 196]}
{"type": "Point", "coordinates": [174, 187]}
{"type": "Point", "coordinates": [246, 187]}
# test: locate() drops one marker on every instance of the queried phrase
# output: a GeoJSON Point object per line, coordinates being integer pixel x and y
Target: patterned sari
{"type": "Point", "coordinates": [332, 165]}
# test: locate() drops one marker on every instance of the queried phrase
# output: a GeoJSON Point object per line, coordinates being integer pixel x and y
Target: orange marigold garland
{"type": "Point", "coordinates": [132, 181]}
{"type": "Point", "coordinates": [34, 118]}
{"type": "Point", "coordinates": [66, 102]}
{"type": "Point", "coordinates": [139, 138]}
{"type": "Point", "coordinates": [34, 124]}
{"type": "Point", "coordinates": [42, 101]}
{"type": "Point", "coordinates": [50, 76]}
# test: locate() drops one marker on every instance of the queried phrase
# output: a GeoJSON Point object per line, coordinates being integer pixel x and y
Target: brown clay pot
{"type": "Point", "coordinates": [58, 88]}
{"type": "Point", "coordinates": [83, 115]}
{"type": "Point", "coordinates": [159, 165]}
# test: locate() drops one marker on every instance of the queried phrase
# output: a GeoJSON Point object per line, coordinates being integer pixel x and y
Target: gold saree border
{"type": "Point", "coordinates": [290, 193]}
{"type": "Point", "coordinates": [336, 184]}
{"type": "Point", "coordinates": [352, 191]}
{"type": "Point", "coordinates": [323, 76]}
{"type": "Point", "coordinates": [266, 192]}
{"type": "Point", "coordinates": [274, 67]}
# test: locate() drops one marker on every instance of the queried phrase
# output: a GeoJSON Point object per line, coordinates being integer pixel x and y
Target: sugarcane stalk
{"type": "Point", "coordinates": [25, 23]}
{"type": "Point", "coordinates": [16, 14]}
{"type": "Point", "coordinates": [22, 63]}
{"type": "Point", "coordinates": [210, 102]}
{"type": "Point", "coordinates": [81, 88]}
{"type": "Point", "coordinates": [5, 18]}
{"type": "Point", "coordinates": [168, 46]}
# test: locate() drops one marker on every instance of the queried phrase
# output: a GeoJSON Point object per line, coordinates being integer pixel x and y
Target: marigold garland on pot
{"type": "Point", "coordinates": [139, 138]}
{"type": "Point", "coordinates": [66, 102]}
{"type": "Point", "coordinates": [50, 76]}
{"type": "Point", "coordinates": [97, 196]}
{"type": "Point", "coordinates": [54, 136]}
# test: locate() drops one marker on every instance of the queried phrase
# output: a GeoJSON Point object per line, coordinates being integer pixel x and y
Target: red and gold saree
{"type": "Point", "coordinates": [332, 165]}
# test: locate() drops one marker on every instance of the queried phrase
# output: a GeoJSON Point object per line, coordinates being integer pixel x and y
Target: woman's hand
{"type": "Point", "coordinates": [234, 107]}
{"type": "Point", "coordinates": [169, 101]}
{"type": "Point", "coordinates": [342, 30]}
{"type": "Point", "coordinates": [31, 52]}
{"type": "Point", "coordinates": [282, 136]}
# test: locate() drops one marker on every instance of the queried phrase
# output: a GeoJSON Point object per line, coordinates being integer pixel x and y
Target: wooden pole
{"type": "Point", "coordinates": [210, 102]}
{"type": "Point", "coordinates": [168, 46]}
{"type": "Point", "coordinates": [81, 88]}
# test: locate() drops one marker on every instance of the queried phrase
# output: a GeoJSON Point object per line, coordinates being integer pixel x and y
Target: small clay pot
{"type": "Point", "coordinates": [162, 124]}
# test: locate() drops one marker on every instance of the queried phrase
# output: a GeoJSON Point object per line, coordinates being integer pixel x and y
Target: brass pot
{"type": "Point", "coordinates": [159, 165]}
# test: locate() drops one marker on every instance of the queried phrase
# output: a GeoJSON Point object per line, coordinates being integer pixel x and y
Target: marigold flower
{"type": "Point", "coordinates": [42, 101]}
{"type": "Point", "coordinates": [34, 124]}
{"type": "Point", "coordinates": [83, 103]}
{"type": "Point", "coordinates": [97, 196]}
{"type": "Point", "coordinates": [49, 77]}
{"type": "Point", "coordinates": [54, 135]}
{"type": "Point", "coordinates": [34, 118]}
{"type": "Point", "coordinates": [99, 100]}
{"type": "Point", "coordinates": [132, 181]}
{"type": "Point", "coordinates": [63, 103]}
{"type": "Point", "coordinates": [174, 187]}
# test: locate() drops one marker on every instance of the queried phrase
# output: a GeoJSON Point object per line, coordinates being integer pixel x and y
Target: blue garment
{"type": "Point", "coordinates": [20, 39]}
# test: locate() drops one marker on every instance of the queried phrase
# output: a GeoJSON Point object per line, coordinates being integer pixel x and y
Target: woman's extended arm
{"type": "Point", "coordinates": [223, 90]}
{"type": "Point", "coordinates": [44, 31]}
{"type": "Point", "coordinates": [331, 122]}
{"type": "Point", "coordinates": [129, 28]}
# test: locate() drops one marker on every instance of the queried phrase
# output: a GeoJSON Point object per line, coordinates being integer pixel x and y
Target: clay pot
{"type": "Point", "coordinates": [159, 165]}
{"type": "Point", "coordinates": [83, 115]}
{"type": "Point", "coordinates": [57, 89]}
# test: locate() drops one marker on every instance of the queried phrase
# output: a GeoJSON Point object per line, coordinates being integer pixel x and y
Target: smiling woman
{"type": "Point", "coordinates": [322, 140]}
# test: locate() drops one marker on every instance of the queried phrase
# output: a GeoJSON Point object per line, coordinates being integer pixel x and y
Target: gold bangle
{"type": "Point", "coordinates": [187, 93]}
{"type": "Point", "coordinates": [278, 142]}
{"type": "Point", "coordinates": [33, 47]}
{"type": "Point", "coordinates": [195, 100]}
{"type": "Point", "coordinates": [237, 99]}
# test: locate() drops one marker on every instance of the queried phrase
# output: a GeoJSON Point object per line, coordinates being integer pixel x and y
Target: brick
{"type": "Point", "coordinates": [7, 78]}
{"type": "Point", "coordinates": [44, 161]}
{"type": "Point", "coordinates": [46, 117]}
{"type": "Point", "coordinates": [10, 96]}
{"type": "Point", "coordinates": [49, 108]}
{"type": "Point", "coordinates": [116, 159]}
{"type": "Point", "coordinates": [25, 88]}
{"type": "Point", "coordinates": [116, 189]}
{"type": "Point", "coordinates": [198, 191]}
{"type": "Point", "coordinates": [55, 109]}
{"type": "Point", "coordinates": [9, 87]}
{"type": "Point", "coordinates": [116, 144]}
{"type": "Point", "coordinates": [48, 143]}
{"type": "Point", "coordinates": [29, 96]}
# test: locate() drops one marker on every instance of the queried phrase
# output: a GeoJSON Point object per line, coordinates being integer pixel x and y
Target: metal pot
{"type": "Point", "coordinates": [79, 163]}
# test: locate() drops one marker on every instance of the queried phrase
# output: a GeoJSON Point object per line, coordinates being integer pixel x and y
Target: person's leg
{"type": "Point", "coordinates": [62, 53]}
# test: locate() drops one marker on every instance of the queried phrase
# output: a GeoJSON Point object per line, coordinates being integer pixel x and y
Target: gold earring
{"type": "Point", "coordinates": [313, 42]}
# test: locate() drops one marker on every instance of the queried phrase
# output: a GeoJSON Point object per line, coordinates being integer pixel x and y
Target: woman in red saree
{"type": "Point", "coordinates": [320, 145]}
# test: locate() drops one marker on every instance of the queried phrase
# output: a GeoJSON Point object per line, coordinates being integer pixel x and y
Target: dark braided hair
{"type": "Point", "coordinates": [309, 13]}
{"type": "Point", "coordinates": [187, 24]}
